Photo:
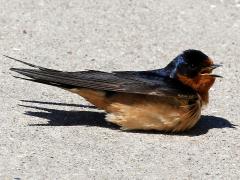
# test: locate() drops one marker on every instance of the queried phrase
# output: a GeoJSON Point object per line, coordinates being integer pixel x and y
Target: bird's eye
{"type": "Point", "coordinates": [192, 65]}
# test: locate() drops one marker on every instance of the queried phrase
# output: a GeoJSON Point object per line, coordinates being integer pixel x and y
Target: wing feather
{"type": "Point", "coordinates": [127, 82]}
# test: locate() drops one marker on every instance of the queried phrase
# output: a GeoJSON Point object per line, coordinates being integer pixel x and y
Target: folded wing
{"type": "Point", "coordinates": [127, 82]}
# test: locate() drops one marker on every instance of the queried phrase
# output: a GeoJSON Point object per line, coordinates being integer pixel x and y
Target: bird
{"type": "Point", "coordinates": [168, 99]}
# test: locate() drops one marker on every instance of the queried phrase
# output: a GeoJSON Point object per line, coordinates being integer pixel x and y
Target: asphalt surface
{"type": "Point", "coordinates": [47, 133]}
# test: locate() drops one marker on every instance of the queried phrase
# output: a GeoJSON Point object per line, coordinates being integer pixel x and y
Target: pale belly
{"type": "Point", "coordinates": [145, 112]}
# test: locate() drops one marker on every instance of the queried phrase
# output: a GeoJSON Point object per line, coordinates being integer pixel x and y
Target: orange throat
{"type": "Point", "coordinates": [201, 84]}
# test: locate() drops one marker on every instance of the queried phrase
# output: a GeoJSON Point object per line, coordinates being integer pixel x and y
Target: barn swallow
{"type": "Point", "coordinates": [168, 99]}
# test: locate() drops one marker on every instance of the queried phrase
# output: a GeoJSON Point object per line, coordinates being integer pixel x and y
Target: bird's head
{"type": "Point", "coordinates": [192, 63]}
{"type": "Point", "coordinates": [193, 68]}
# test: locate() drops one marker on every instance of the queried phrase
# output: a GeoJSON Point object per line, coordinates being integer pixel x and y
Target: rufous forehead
{"type": "Point", "coordinates": [208, 62]}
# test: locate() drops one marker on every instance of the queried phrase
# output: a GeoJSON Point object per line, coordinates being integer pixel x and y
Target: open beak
{"type": "Point", "coordinates": [208, 70]}
{"type": "Point", "coordinates": [215, 75]}
{"type": "Point", "coordinates": [214, 66]}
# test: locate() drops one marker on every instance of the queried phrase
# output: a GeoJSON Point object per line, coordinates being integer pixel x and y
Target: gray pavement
{"type": "Point", "coordinates": [47, 133]}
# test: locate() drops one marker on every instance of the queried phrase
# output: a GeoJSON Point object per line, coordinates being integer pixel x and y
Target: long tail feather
{"type": "Point", "coordinates": [28, 64]}
{"type": "Point", "coordinates": [32, 73]}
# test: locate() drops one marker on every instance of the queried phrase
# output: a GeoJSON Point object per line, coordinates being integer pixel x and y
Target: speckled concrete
{"type": "Point", "coordinates": [47, 133]}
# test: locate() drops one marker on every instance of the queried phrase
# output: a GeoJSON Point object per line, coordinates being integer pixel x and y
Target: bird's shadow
{"type": "Point", "coordinates": [92, 118]}
{"type": "Point", "coordinates": [68, 118]}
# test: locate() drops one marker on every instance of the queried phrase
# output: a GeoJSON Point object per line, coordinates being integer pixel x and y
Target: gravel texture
{"type": "Point", "coordinates": [47, 133]}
